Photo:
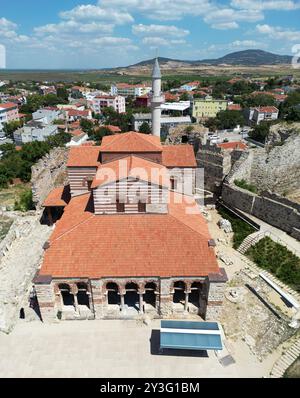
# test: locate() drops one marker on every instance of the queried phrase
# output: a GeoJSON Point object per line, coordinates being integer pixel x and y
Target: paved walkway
{"type": "Point", "coordinates": [109, 349]}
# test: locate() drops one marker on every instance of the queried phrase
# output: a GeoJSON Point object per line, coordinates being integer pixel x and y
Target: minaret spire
{"type": "Point", "coordinates": [157, 99]}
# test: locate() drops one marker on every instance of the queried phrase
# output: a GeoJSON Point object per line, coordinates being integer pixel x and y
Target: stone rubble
{"type": "Point", "coordinates": [22, 253]}
{"type": "Point", "coordinates": [225, 225]}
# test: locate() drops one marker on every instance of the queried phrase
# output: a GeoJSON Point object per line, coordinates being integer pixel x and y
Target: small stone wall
{"type": "Point", "coordinates": [272, 209]}
{"type": "Point", "coordinates": [48, 173]}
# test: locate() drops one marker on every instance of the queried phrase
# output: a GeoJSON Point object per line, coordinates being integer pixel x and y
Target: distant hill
{"type": "Point", "coordinates": [246, 57]}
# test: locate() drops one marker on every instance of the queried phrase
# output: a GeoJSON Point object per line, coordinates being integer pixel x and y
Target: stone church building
{"type": "Point", "coordinates": [129, 239]}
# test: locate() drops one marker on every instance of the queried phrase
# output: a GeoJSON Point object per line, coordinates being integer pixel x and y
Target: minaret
{"type": "Point", "coordinates": [157, 99]}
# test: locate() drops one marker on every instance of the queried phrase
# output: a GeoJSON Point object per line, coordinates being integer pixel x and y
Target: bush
{"type": "Point", "coordinates": [243, 184]}
{"type": "Point", "coordinates": [278, 260]}
{"type": "Point", "coordinates": [25, 202]}
{"type": "Point", "coordinates": [240, 228]}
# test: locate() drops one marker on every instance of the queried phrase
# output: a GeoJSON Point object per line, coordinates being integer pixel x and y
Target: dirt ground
{"type": "Point", "coordinates": [294, 370]}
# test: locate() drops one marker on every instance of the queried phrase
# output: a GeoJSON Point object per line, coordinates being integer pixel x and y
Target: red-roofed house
{"type": "Point", "coordinates": [129, 243]}
{"type": "Point", "coordinates": [8, 112]}
{"type": "Point", "coordinates": [264, 113]}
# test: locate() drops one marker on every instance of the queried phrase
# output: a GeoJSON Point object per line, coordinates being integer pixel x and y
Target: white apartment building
{"type": "Point", "coordinates": [8, 113]}
{"type": "Point", "coordinates": [117, 102]}
{"type": "Point", "coordinates": [130, 90]}
{"type": "Point", "coordinates": [34, 131]}
{"type": "Point", "coordinates": [263, 113]}
{"type": "Point", "coordinates": [47, 115]}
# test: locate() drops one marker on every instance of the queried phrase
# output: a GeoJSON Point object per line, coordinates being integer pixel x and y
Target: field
{"type": "Point", "coordinates": [143, 73]}
{"type": "Point", "coordinates": [10, 195]}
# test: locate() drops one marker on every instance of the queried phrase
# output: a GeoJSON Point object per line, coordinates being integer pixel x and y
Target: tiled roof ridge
{"type": "Point", "coordinates": [121, 139]}
{"type": "Point", "coordinates": [72, 229]}
{"type": "Point", "coordinates": [188, 226]}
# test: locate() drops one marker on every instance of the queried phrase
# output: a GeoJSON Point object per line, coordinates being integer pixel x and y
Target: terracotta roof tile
{"type": "Point", "coordinates": [178, 156]}
{"type": "Point", "coordinates": [87, 245]}
{"type": "Point", "coordinates": [84, 156]}
{"type": "Point", "coordinates": [58, 197]}
{"type": "Point", "coordinates": [131, 142]}
{"type": "Point", "coordinates": [131, 166]}
{"type": "Point", "coordinates": [232, 145]}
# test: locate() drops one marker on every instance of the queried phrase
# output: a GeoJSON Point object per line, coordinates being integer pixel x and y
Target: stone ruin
{"type": "Point", "coordinates": [48, 173]}
{"type": "Point", "coordinates": [188, 134]}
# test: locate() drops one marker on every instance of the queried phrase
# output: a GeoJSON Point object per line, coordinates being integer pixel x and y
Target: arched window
{"type": "Point", "coordinates": [179, 292]}
{"type": "Point", "coordinates": [67, 296]}
{"type": "Point", "coordinates": [131, 296]}
{"type": "Point", "coordinates": [113, 298]}
{"type": "Point", "coordinates": [194, 296]}
{"type": "Point", "coordinates": [150, 296]}
{"type": "Point", "coordinates": [82, 295]}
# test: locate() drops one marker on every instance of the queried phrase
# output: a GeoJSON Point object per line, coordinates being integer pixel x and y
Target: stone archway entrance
{"type": "Point", "coordinates": [131, 298]}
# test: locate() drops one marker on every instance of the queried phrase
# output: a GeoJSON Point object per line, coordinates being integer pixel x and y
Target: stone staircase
{"type": "Point", "coordinates": [286, 360]}
{"type": "Point", "coordinates": [251, 240]}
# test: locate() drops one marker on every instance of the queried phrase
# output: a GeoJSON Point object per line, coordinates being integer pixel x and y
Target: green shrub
{"type": "Point", "coordinates": [240, 228]}
{"type": "Point", "coordinates": [278, 260]}
{"type": "Point", "coordinates": [25, 203]}
{"type": "Point", "coordinates": [243, 184]}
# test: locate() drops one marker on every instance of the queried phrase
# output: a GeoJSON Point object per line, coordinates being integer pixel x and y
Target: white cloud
{"type": "Point", "coordinates": [228, 15]}
{"type": "Point", "coordinates": [225, 25]}
{"type": "Point", "coordinates": [91, 12]}
{"type": "Point", "coordinates": [8, 31]}
{"type": "Point", "coordinates": [160, 41]}
{"type": "Point", "coordinates": [278, 33]}
{"type": "Point", "coordinates": [74, 27]}
{"type": "Point", "coordinates": [282, 5]}
{"type": "Point", "coordinates": [159, 30]}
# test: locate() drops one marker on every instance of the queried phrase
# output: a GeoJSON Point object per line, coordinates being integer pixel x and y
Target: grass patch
{"type": "Point", "coordinates": [5, 224]}
{"type": "Point", "coordinates": [278, 260]}
{"type": "Point", "coordinates": [243, 184]}
{"type": "Point", "coordinates": [8, 196]}
{"type": "Point", "coordinates": [293, 371]}
{"type": "Point", "coordinates": [240, 228]}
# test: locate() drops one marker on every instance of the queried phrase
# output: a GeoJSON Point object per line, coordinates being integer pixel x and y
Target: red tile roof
{"type": "Point", "coordinates": [131, 142]}
{"type": "Point", "coordinates": [178, 156]}
{"type": "Point", "coordinates": [8, 105]}
{"type": "Point", "coordinates": [166, 245]}
{"type": "Point", "coordinates": [58, 197]}
{"type": "Point", "coordinates": [234, 107]}
{"type": "Point", "coordinates": [232, 145]}
{"type": "Point", "coordinates": [83, 156]}
{"type": "Point", "coordinates": [267, 109]}
{"type": "Point", "coordinates": [132, 166]}
{"type": "Point", "coordinates": [113, 129]}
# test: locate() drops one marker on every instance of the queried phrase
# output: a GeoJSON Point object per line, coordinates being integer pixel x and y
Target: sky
{"type": "Point", "coordinates": [90, 34]}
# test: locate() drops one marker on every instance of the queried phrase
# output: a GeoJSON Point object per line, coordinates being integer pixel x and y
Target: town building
{"type": "Point", "coordinates": [8, 112]}
{"type": "Point", "coordinates": [130, 240]}
{"type": "Point", "coordinates": [130, 90]}
{"type": "Point", "coordinates": [190, 86]}
{"type": "Point", "coordinates": [47, 115]}
{"type": "Point", "coordinates": [72, 115]}
{"type": "Point", "coordinates": [78, 137]}
{"type": "Point", "coordinates": [207, 107]}
{"type": "Point", "coordinates": [261, 114]}
{"type": "Point", "coordinates": [34, 131]}
{"type": "Point", "coordinates": [117, 102]}
{"type": "Point", "coordinates": [166, 122]}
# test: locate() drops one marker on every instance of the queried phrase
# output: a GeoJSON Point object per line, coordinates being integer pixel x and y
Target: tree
{"type": "Point", "coordinates": [145, 128]}
{"type": "Point", "coordinates": [184, 97]}
{"type": "Point", "coordinates": [260, 132]}
{"type": "Point", "coordinates": [25, 203]}
{"type": "Point", "coordinates": [87, 126]}
{"type": "Point", "coordinates": [293, 115]}
{"type": "Point", "coordinates": [291, 101]}
{"type": "Point", "coordinates": [226, 120]}
{"type": "Point", "coordinates": [258, 100]}
{"type": "Point", "coordinates": [100, 133]}
{"type": "Point", "coordinates": [7, 150]}
{"type": "Point", "coordinates": [10, 127]}
{"type": "Point", "coordinates": [62, 93]}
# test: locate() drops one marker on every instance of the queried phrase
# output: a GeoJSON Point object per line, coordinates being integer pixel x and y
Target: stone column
{"type": "Point", "coordinates": [186, 301]}
{"type": "Point", "coordinates": [141, 303]}
{"type": "Point", "coordinates": [122, 301]}
{"type": "Point", "coordinates": [98, 299]}
{"type": "Point", "coordinates": [166, 302]}
{"type": "Point", "coordinates": [216, 295]}
{"type": "Point", "coordinates": [46, 297]}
